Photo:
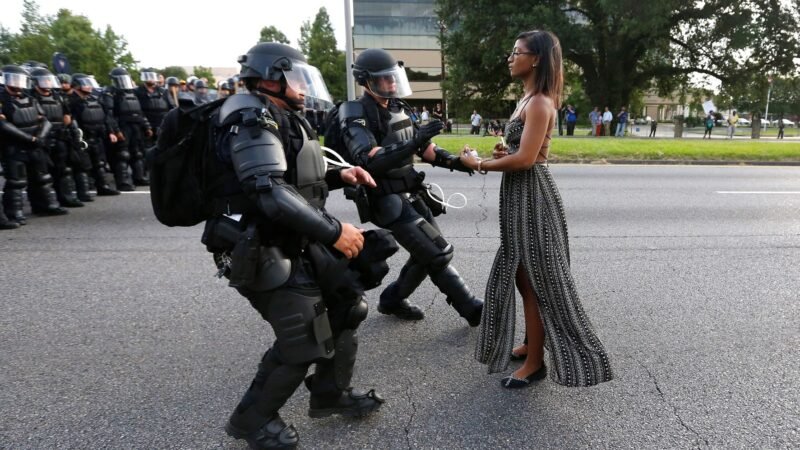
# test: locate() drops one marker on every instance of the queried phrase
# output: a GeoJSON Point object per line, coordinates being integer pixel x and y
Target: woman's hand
{"type": "Point", "coordinates": [499, 151]}
{"type": "Point", "coordinates": [468, 159]}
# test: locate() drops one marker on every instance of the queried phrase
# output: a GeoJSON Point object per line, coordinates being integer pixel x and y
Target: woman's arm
{"type": "Point", "coordinates": [537, 116]}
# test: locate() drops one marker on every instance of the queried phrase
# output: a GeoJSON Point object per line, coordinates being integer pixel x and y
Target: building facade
{"type": "Point", "coordinates": [409, 30]}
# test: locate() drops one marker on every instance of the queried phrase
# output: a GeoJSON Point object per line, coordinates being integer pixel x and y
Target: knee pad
{"type": "Point", "coordinates": [356, 314]}
{"type": "Point", "coordinates": [123, 156]}
{"type": "Point", "coordinates": [300, 322]}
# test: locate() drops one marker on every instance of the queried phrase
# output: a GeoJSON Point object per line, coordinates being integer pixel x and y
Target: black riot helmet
{"type": "Point", "coordinates": [120, 78]}
{"type": "Point", "coordinates": [279, 62]}
{"type": "Point", "coordinates": [15, 78]}
{"type": "Point", "coordinates": [84, 83]}
{"type": "Point", "coordinates": [44, 80]}
{"type": "Point", "coordinates": [149, 76]}
{"type": "Point", "coordinates": [381, 74]}
{"type": "Point", "coordinates": [64, 78]}
{"type": "Point", "coordinates": [172, 81]}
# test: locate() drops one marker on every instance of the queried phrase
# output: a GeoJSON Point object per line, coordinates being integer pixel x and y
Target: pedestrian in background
{"type": "Point", "coordinates": [607, 118]}
{"type": "Point", "coordinates": [622, 118]}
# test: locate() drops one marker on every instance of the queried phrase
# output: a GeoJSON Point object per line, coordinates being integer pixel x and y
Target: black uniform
{"type": "Point", "coordinates": [155, 105]}
{"type": "Point", "coordinates": [131, 121]}
{"type": "Point", "coordinates": [25, 161]}
{"type": "Point", "coordinates": [402, 204]}
{"type": "Point", "coordinates": [96, 124]}
{"type": "Point", "coordinates": [276, 178]}
{"type": "Point", "coordinates": [63, 148]}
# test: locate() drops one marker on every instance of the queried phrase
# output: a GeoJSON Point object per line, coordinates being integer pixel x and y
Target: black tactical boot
{"type": "Point", "coordinates": [66, 192]}
{"type": "Point", "coordinates": [402, 308]}
{"type": "Point", "coordinates": [139, 173]}
{"type": "Point", "coordinates": [122, 178]}
{"type": "Point", "coordinates": [82, 187]}
{"type": "Point", "coordinates": [12, 202]}
{"type": "Point", "coordinates": [6, 224]}
{"type": "Point", "coordinates": [274, 434]}
{"type": "Point", "coordinates": [44, 202]}
{"type": "Point", "coordinates": [348, 403]}
{"type": "Point", "coordinates": [458, 295]}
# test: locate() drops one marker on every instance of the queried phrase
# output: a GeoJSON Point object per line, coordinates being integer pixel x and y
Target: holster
{"type": "Point", "coordinates": [244, 257]}
{"type": "Point", "coordinates": [359, 195]}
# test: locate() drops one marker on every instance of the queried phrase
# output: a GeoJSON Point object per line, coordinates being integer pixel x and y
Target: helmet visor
{"type": "Point", "coordinates": [88, 82]}
{"type": "Point", "coordinates": [123, 82]}
{"type": "Point", "coordinates": [390, 83]}
{"type": "Point", "coordinates": [308, 80]}
{"type": "Point", "coordinates": [15, 80]}
{"type": "Point", "coordinates": [47, 82]}
{"type": "Point", "coordinates": [149, 76]}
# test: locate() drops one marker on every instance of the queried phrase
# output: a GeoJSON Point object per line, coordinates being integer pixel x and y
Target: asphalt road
{"type": "Point", "coordinates": [114, 332]}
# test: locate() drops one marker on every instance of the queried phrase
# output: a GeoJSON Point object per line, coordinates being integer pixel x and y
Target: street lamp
{"type": "Point", "coordinates": [442, 29]}
{"type": "Point", "coordinates": [769, 92]}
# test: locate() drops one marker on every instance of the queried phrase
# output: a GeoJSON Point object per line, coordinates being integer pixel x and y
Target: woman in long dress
{"type": "Point", "coordinates": [534, 249]}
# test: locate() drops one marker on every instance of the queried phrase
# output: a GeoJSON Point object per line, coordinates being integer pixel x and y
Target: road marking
{"type": "Point", "coordinates": [759, 192]}
{"type": "Point", "coordinates": [135, 192]}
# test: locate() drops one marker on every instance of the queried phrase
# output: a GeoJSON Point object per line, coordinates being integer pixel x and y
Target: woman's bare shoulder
{"type": "Point", "coordinates": [540, 106]}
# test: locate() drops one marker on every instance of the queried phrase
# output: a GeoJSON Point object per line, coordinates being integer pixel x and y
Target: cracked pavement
{"type": "Point", "coordinates": [116, 334]}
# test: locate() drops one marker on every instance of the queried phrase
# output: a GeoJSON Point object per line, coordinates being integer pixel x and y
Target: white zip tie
{"type": "Point", "coordinates": [339, 161]}
{"type": "Point", "coordinates": [447, 202]}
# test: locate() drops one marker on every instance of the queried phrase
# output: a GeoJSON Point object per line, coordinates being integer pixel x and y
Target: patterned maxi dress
{"type": "Point", "coordinates": [534, 234]}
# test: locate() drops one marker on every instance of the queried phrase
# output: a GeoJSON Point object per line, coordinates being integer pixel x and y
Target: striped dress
{"type": "Point", "coordinates": [534, 234]}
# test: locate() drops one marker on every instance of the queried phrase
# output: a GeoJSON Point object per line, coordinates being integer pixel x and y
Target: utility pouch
{"type": "Point", "coordinates": [432, 201]}
{"type": "Point", "coordinates": [245, 258]}
{"type": "Point", "coordinates": [221, 234]}
{"type": "Point", "coordinates": [359, 195]}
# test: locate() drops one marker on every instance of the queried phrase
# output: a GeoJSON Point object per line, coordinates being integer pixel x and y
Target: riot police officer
{"type": "Point", "coordinates": [153, 100]}
{"type": "Point", "coordinates": [131, 125]}
{"type": "Point", "coordinates": [280, 185]}
{"type": "Point", "coordinates": [173, 89]}
{"type": "Point", "coordinates": [380, 136]}
{"type": "Point", "coordinates": [97, 127]}
{"type": "Point", "coordinates": [63, 142]}
{"type": "Point", "coordinates": [24, 127]}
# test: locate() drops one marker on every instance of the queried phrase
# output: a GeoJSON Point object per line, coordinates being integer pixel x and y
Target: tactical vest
{"type": "Point", "coordinates": [23, 113]}
{"type": "Point", "coordinates": [154, 105]}
{"type": "Point", "coordinates": [127, 108]}
{"type": "Point", "coordinates": [53, 110]}
{"type": "Point", "coordinates": [402, 178]}
{"type": "Point", "coordinates": [309, 177]}
{"type": "Point", "coordinates": [92, 117]}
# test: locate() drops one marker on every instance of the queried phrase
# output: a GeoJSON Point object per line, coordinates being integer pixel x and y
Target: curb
{"type": "Point", "coordinates": [675, 162]}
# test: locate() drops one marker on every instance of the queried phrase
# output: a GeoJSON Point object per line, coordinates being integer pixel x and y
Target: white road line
{"type": "Point", "coordinates": [760, 192]}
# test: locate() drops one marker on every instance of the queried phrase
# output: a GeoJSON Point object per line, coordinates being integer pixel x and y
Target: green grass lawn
{"type": "Point", "coordinates": [588, 148]}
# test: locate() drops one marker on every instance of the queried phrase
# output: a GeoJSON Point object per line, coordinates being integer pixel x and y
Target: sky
{"type": "Point", "coordinates": [179, 33]}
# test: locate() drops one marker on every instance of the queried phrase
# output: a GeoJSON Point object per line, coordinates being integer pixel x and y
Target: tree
{"type": "Point", "coordinates": [622, 46]}
{"type": "Point", "coordinates": [174, 71]}
{"type": "Point", "coordinates": [272, 34]}
{"type": "Point", "coordinates": [205, 72]}
{"type": "Point", "coordinates": [88, 50]}
{"type": "Point", "coordinates": [318, 43]}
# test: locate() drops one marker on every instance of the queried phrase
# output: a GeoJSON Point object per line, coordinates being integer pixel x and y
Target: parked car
{"type": "Point", "coordinates": [743, 122]}
{"type": "Point", "coordinates": [642, 120]}
{"type": "Point", "coordinates": [786, 123]}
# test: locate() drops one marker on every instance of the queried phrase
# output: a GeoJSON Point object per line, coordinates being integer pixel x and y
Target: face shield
{"type": "Point", "coordinates": [390, 83]}
{"type": "Point", "coordinates": [47, 82]}
{"type": "Point", "coordinates": [307, 80]}
{"type": "Point", "coordinates": [15, 80]}
{"type": "Point", "coordinates": [123, 82]}
{"type": "Point", "coordinates": [149, 77]}
{"type": "Point", "coordinates": [87, 84]}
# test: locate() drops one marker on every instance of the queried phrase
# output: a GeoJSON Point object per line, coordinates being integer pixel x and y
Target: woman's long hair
{"type": "Point", "coordinates": [550, 71]}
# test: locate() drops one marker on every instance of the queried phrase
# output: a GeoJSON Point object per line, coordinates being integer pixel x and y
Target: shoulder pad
{"type": "Point", "coordinates": [238, 102]}
{"type": "Point", "coordinates": [351, 110]}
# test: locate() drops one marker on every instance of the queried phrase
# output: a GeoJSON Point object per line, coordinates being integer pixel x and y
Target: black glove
{"type": "Point", "coordinates": [426, 132]}
{"type": "Point", "coordinates": [456, 164]}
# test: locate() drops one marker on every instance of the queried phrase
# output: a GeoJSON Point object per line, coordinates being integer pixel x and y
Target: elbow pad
{"type": "Point", "coordinates": [282, 204]}
{"type": "Point", "coordinates": [255, 151]}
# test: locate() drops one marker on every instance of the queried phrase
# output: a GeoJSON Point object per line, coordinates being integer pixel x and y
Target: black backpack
{"type": "Point", "coordinates": [183, 167]}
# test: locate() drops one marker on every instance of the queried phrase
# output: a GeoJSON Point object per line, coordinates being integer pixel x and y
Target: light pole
{"type": "Point", "coordinates": [442, 29]}
{"type": "Point", "coordinates": [348, 49]}
{"type": "Point", "coordinates": [769, 92]}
